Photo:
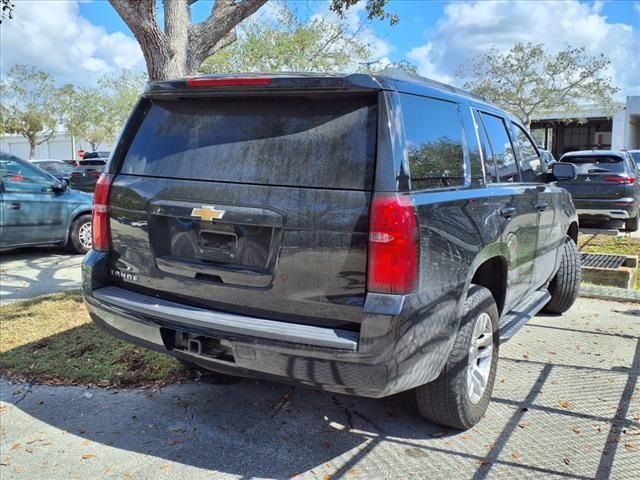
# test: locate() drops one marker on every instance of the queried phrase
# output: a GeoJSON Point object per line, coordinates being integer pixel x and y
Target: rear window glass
{"type": "Point", "coordinates": [85, 163]}
{"type": "Point", "coordinates": [326, 142]}
{"type": "Point", "coordinates": [595, 164]}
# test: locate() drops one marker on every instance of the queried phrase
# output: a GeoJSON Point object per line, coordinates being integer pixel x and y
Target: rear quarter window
{"type": "Point", "coordinates": [433, 132]}
{"type": "Point", "coordinates": [313, 141]}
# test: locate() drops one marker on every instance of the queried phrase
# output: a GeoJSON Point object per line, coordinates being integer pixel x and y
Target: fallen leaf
{"type": "Point", "coordinates": [87, 442]}
{"type": "Point", "coordinates": [484, 461]}
{"type": "Point", "coordinates": [566, 404]}
{"type": "Point", "coordinates": [576, 430]}
{"type": "Point", "coordinates": [88, 456]}
{"type": "Point", "coordinates": [16, 446]}
{"type": "Point", "coordinates": [523, 424]}
{"type": "Point", "coordinates": [29, 450]}
{"type": "Point", "coordinates": [566, 461]}
{"type": "Point", "coordinates": [355, 471]}
{"type": "Point", "coordinates": [516, 455]}
{"type": "Point", "coordinates": [631, 446]}
{"type": "Point", "coordinates": [165, 468]}
{"type": "Point", "coordinates": [465, 437]}
{"type": "Point", "coordinates": [326, 477]}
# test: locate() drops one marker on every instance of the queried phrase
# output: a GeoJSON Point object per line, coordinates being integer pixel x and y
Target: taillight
{"type": "Point", "coordinates": [619, 179]}
{"type": "Point", "coordinates": [393, 245]}
{"type": "Point", "coordinates": [101, 230]}
{"type": "Point", "coordinates": [228, 82]}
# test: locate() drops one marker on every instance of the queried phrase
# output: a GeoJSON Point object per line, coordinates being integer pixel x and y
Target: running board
{"type": "Point", "coordinates": [516, 319]}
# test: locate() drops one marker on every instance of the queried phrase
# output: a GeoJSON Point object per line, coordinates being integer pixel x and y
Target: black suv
{"type": "Point", "coordinates": [606, 187]}
{"type": "Point", "coordinates": [362, 234]}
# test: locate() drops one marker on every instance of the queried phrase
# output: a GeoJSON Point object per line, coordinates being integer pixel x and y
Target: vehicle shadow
{"type": "Point", "coordinates": [29, 272]}
{"type": "Point", "coordinates": [259, 428]}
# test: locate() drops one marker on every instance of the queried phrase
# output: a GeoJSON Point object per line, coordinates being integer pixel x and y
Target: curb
{"type": "Point", "coordinates": [610, 293]}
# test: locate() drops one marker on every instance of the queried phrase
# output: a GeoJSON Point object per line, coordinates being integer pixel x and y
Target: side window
{"type": "Point", "coordinates": [501, 147]}
{"type": "Point", "coordinates": [530, 162]}
{"type": "Point", "coordinates": [18, 177]}
{"type": "Point", "coordinates": [489, 163]}
{"type": "Point", "coordinates": [433, 132]}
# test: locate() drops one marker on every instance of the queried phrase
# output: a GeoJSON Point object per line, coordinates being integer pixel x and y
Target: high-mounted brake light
{"type": "Point", "coordinates": [393, 245]}
{"type": "Point", "coordinates": [100, 226]}
{"type": "Point", "coordinates": [619, 179]}
{"type": "Point", "coordinates": [228, 82]}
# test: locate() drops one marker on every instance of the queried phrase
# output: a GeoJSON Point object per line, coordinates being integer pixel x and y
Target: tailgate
{"type": "Point", "coordinates": [597, 177]}
{"type": "Point", "coordinates": [255, 206]}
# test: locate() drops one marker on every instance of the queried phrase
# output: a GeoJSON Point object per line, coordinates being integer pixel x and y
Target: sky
{"type": "Point", "coordinates": [79, 41]}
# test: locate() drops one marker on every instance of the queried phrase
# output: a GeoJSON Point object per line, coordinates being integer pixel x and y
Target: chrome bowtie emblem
{"type": "Point", "coordinates": [208, 212]}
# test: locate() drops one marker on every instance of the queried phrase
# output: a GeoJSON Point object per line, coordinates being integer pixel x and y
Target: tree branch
{"type": "Point", "coordinates": [225, 16]}
{"type": "Point", "coordinates": [140, 17]}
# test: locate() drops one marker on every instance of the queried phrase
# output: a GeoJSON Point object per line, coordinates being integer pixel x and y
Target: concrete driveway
{"type": "Point", "coordinates": [27, 273]}
{"type": "Point", "coordinates": [566, 405]}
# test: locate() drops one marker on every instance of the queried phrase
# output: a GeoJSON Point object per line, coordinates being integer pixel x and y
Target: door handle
{"type": "Point", "coordinates": [13, 206]}
{"type": "Point", "coordinates": [542, 206]}
{"type": "Point", "coordinates": [507, 212]}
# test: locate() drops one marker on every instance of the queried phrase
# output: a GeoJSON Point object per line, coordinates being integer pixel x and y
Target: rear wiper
{"type": "Point", "coordinates": [598, 170]}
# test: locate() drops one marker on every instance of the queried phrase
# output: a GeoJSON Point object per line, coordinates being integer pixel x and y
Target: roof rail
{"type": "Point", "coordinates": [403, 75]}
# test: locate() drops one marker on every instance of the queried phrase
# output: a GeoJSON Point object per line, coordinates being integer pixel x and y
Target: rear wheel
{"type": "Point", "coordinates": [631, 225]}
{"type": "Point", "coordinates": [565, 285]}
{"type": "Point", "coordinates": [80, 234]}
{"type": "Point", "coordinates": [459, 397]}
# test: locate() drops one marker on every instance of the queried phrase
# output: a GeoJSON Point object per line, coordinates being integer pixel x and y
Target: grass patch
{"type": "Point", "coordinates": [611, 245]}
{"type": "Point", "coordinates": [52, 340]}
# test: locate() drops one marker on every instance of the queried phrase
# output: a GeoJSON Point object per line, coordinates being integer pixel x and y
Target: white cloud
{"type": "Point", "coordinates": [469, 28]}
{"type": "Point", "coordinates": [55, 37]}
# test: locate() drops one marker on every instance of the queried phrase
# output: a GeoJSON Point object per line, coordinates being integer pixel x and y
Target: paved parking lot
{"type": "Point", "coordinates": [566, 406]}
{"type": "Point", "coordinates": [29, 272]}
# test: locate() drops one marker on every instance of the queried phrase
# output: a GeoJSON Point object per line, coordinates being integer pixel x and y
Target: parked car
{"type": "Point", "coordinates": [362, 234]}
{"type": "Point", "coordinates": [59, 169]}
{"type": "Point", "coordinates": [38, 209]}
{"type": "Point", "coordinates": [86, 174]}
{"type": "Point", "coordinates": [607, 186]}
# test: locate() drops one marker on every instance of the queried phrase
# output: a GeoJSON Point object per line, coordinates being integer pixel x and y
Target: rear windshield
{"type": "Point", "coordinates": [85, 163]}
{"type": "Point", "coordinates": [595, 164]}
{"type": "Point", "coordinates": [326, 142]}
{"type": "Point", "coordinates": [89, 155]}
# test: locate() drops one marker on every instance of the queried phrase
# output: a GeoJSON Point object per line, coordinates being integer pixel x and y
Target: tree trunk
{"type": "Point", "coordinates": [176, 25]}
{"type": "Point", "coordinates": [181, 48]}
{"type": "Point", "coordinates": [32, 148]}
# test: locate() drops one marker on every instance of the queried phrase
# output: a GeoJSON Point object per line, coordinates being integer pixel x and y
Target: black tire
{"type": "Point", "coordinates": [565, 285]}
{"type": "Point", "coordinates": [631, 225]}
{"type": "Point", "coordinates": [77, 236]}
{"type": "Point", "coordinates": [447, 400]}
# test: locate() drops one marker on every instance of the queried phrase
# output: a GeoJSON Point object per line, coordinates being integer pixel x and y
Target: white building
{"type": "Point", "coordinates": [60, 146]}
{"type": "Point", "coordinates": [590, 129]}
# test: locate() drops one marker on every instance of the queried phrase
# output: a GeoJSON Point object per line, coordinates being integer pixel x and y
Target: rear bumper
{"type": "Point", "coordinates": [612, 214]}
{"type": "Point", "coordinates": [374, 362]}
{"type": "Point", "coordinates": [618, 209]}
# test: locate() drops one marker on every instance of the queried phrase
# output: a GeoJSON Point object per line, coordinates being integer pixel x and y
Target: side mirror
{"type": "Point", "coordinates": [59, 186]}
{"type": "Point", "coordinates": [563, 171]}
